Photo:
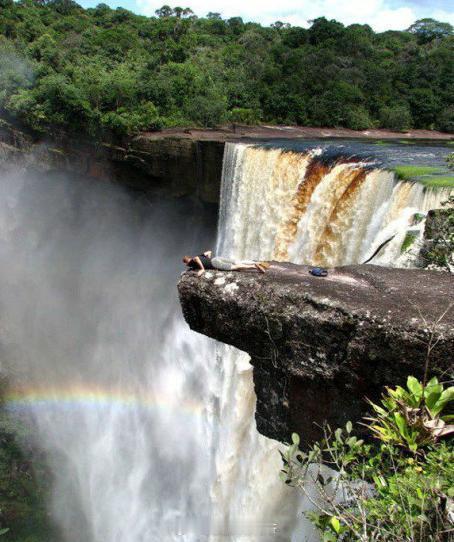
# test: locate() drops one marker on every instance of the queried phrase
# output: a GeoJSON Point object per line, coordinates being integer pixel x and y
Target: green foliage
{"type": "Point", "coordinates": [450, 160]}
{"type": "Point", "coordinates": [407, 173]}
{"type": "Point", "coordinates": [382, 492]}
{"type": "Point", "coordinates": [125, 121]}
{"type": "Point", "coordinates": [358, 118]}
{"type": "Point", "coordinates": [411, 417]}
{"type": "Point", "coordinates": [396, 117]}
{"type": "Point", "coordinates": [24, 485]}
{"type": "Point", "coordinates": [445, 119]}
{"type": "Point", "coordinates": [429, 29]}
{"type": "Point", "coordinates": [87, 70]}
{"type": "Point", "coordinates": [244, 115]}
{"type": "Point", "coordinates": [410, 238]}
{"type": "Point", "coordinates": [441, 181]}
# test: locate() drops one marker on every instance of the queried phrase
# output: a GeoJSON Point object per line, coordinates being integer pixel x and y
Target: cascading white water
{"type": "Point", "coordinates": [119, 391]}
{"type": "Point", "coordinates": [283, 205]}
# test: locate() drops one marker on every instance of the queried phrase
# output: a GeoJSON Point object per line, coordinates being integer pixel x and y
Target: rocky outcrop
{"type": "Point", "coordinates": [168, 166]}
{"type": "Point", "coordinates": [319, 346]}
{"type": "Point", "coordinates": [437, 250]}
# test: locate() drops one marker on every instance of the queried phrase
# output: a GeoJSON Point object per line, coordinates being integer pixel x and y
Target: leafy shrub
{"type": "Point", "coordinates": [399, 489]}
{"type": "Point", "coordinates": [397, 118]}
{"type": "Point", "coordinates": [358, 118]}
{"type": "Point", "coordinates": [125, 121]}
{"type": "Point", "coordinates": [243, 115]}
{"type": "Point", "coordinates": [445, 121]}
{"type": "Point", "coordinates": [412, 417]}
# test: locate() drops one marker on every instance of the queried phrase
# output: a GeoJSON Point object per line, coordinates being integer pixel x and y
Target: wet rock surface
{"type": "Point", "coordinates": [319, 346]}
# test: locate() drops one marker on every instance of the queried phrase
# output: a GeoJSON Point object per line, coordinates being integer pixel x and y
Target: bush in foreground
{"type": "Point", "coordinates": [400, 488]}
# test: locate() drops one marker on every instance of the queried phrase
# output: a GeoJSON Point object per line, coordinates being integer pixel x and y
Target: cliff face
{"type": "Point", "coordinates": [437, 250]}
{"type": "Point", "coordinates": [319, 346]}
{"type": "Point", "coordinates": [168, 166]}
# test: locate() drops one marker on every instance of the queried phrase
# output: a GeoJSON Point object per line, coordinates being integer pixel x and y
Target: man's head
{"type": "Point", "coordinates": [186, 259]}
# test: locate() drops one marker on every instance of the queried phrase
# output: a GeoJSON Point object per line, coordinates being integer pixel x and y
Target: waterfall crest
{"type": "Point", "coordinates": [285, 205]}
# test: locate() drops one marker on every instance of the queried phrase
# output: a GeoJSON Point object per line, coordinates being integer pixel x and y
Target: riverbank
{"type": "Point", "coordinates": [227, 133]}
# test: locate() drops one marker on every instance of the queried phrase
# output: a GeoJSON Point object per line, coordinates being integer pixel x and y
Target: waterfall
{"type": "Point", "coordinates": [118, 392]}
{"type": "Point", "coordinates": [300, 206]}
{"type": "Point", "coordinates": [296, 206]}
{"type": "Point", "coordinates": [150, 436]}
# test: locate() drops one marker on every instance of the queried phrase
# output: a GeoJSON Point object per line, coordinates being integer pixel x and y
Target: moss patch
{"type": "Point", "coordinates": [381, 143]}
{"type": "Point", "coordinates": [410, 238]}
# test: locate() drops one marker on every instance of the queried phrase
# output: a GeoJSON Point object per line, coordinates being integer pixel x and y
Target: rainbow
{"type": "Point", "coordinates": [97, 397]}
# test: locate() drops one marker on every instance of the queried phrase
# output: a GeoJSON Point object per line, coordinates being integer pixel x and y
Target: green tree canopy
{"type": "Point", "coordinates": [103, 71]}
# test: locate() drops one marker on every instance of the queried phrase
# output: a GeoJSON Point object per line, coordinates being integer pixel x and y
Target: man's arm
{"type": "Point", "coordinates": [200, 264]}
{"type": "Point", "coordinates": [208, 253]}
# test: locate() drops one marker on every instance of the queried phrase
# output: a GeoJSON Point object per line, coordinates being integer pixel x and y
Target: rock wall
{"type": "Point", "coordinates": [437, 250]}
{"type": "Point", "coordinates": [170, 166]}
{"type": "Point", "coordinates": [320, 346]}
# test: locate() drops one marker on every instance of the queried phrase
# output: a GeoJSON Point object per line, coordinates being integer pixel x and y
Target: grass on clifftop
{"type": "Point", "coordinates": [430, 176]}
{"type": "Point", "coordinates": [441, 181]}
{"type": "Point", "coordinates": [406, 173]}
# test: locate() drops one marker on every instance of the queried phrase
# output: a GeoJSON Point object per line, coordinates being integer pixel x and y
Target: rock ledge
{"type": "Point", "coordinates": [319, 346]}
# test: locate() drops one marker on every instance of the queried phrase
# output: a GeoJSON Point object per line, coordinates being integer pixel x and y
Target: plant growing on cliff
{"type": "Point", "coordinates": [412, 418]}
{"type": "Point", "coordinates": [398, 488]}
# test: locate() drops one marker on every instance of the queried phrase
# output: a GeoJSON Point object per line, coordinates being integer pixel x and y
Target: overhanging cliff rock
{"type": "Point", "coordinates": [319, 346]}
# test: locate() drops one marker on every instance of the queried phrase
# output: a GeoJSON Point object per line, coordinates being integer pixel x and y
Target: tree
{"type": "Point", "coordinates": [424, 107]}
{"type": "Point", "coordinates": [64, 7]}
{"type": "Point", "coordinates": [187, 12]}
{"type": "Point", "coordinates": [323, 30]}
{"type": "Point", "coordinates": [427, 30]}
{"type": "Point", "coordinates": [445, 120]}
{"type": "Point", "coordinates": [236, 25]}
{"type": "Point", "coordinates": [164, 11]}
{"type": "Point", "coordinates": [396, 117]}
{"type": "Point", "coordinates": [178, 12]}
{"type": "Point", "coordinates": [196, 71]}
{"type": "Point", "coordinates": [279, 25]}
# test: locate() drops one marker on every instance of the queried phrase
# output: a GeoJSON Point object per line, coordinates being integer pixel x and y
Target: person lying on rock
{"type": "Point", "coordinates": [206, 261]}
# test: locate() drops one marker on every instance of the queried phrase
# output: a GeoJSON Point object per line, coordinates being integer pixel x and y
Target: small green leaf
{"type": "Point", "coordinates": [349, 427]}
{"type": "Point", "coordinates": [401, 424]}
{"type": "Point", "coordinates": [415, 387]}
{"type": "Point", "coordinates": [335, 524]}
{"type": "Point", "coordinates": [296, 439]}
{"type": "Point", "coordinates": [432, 399]}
